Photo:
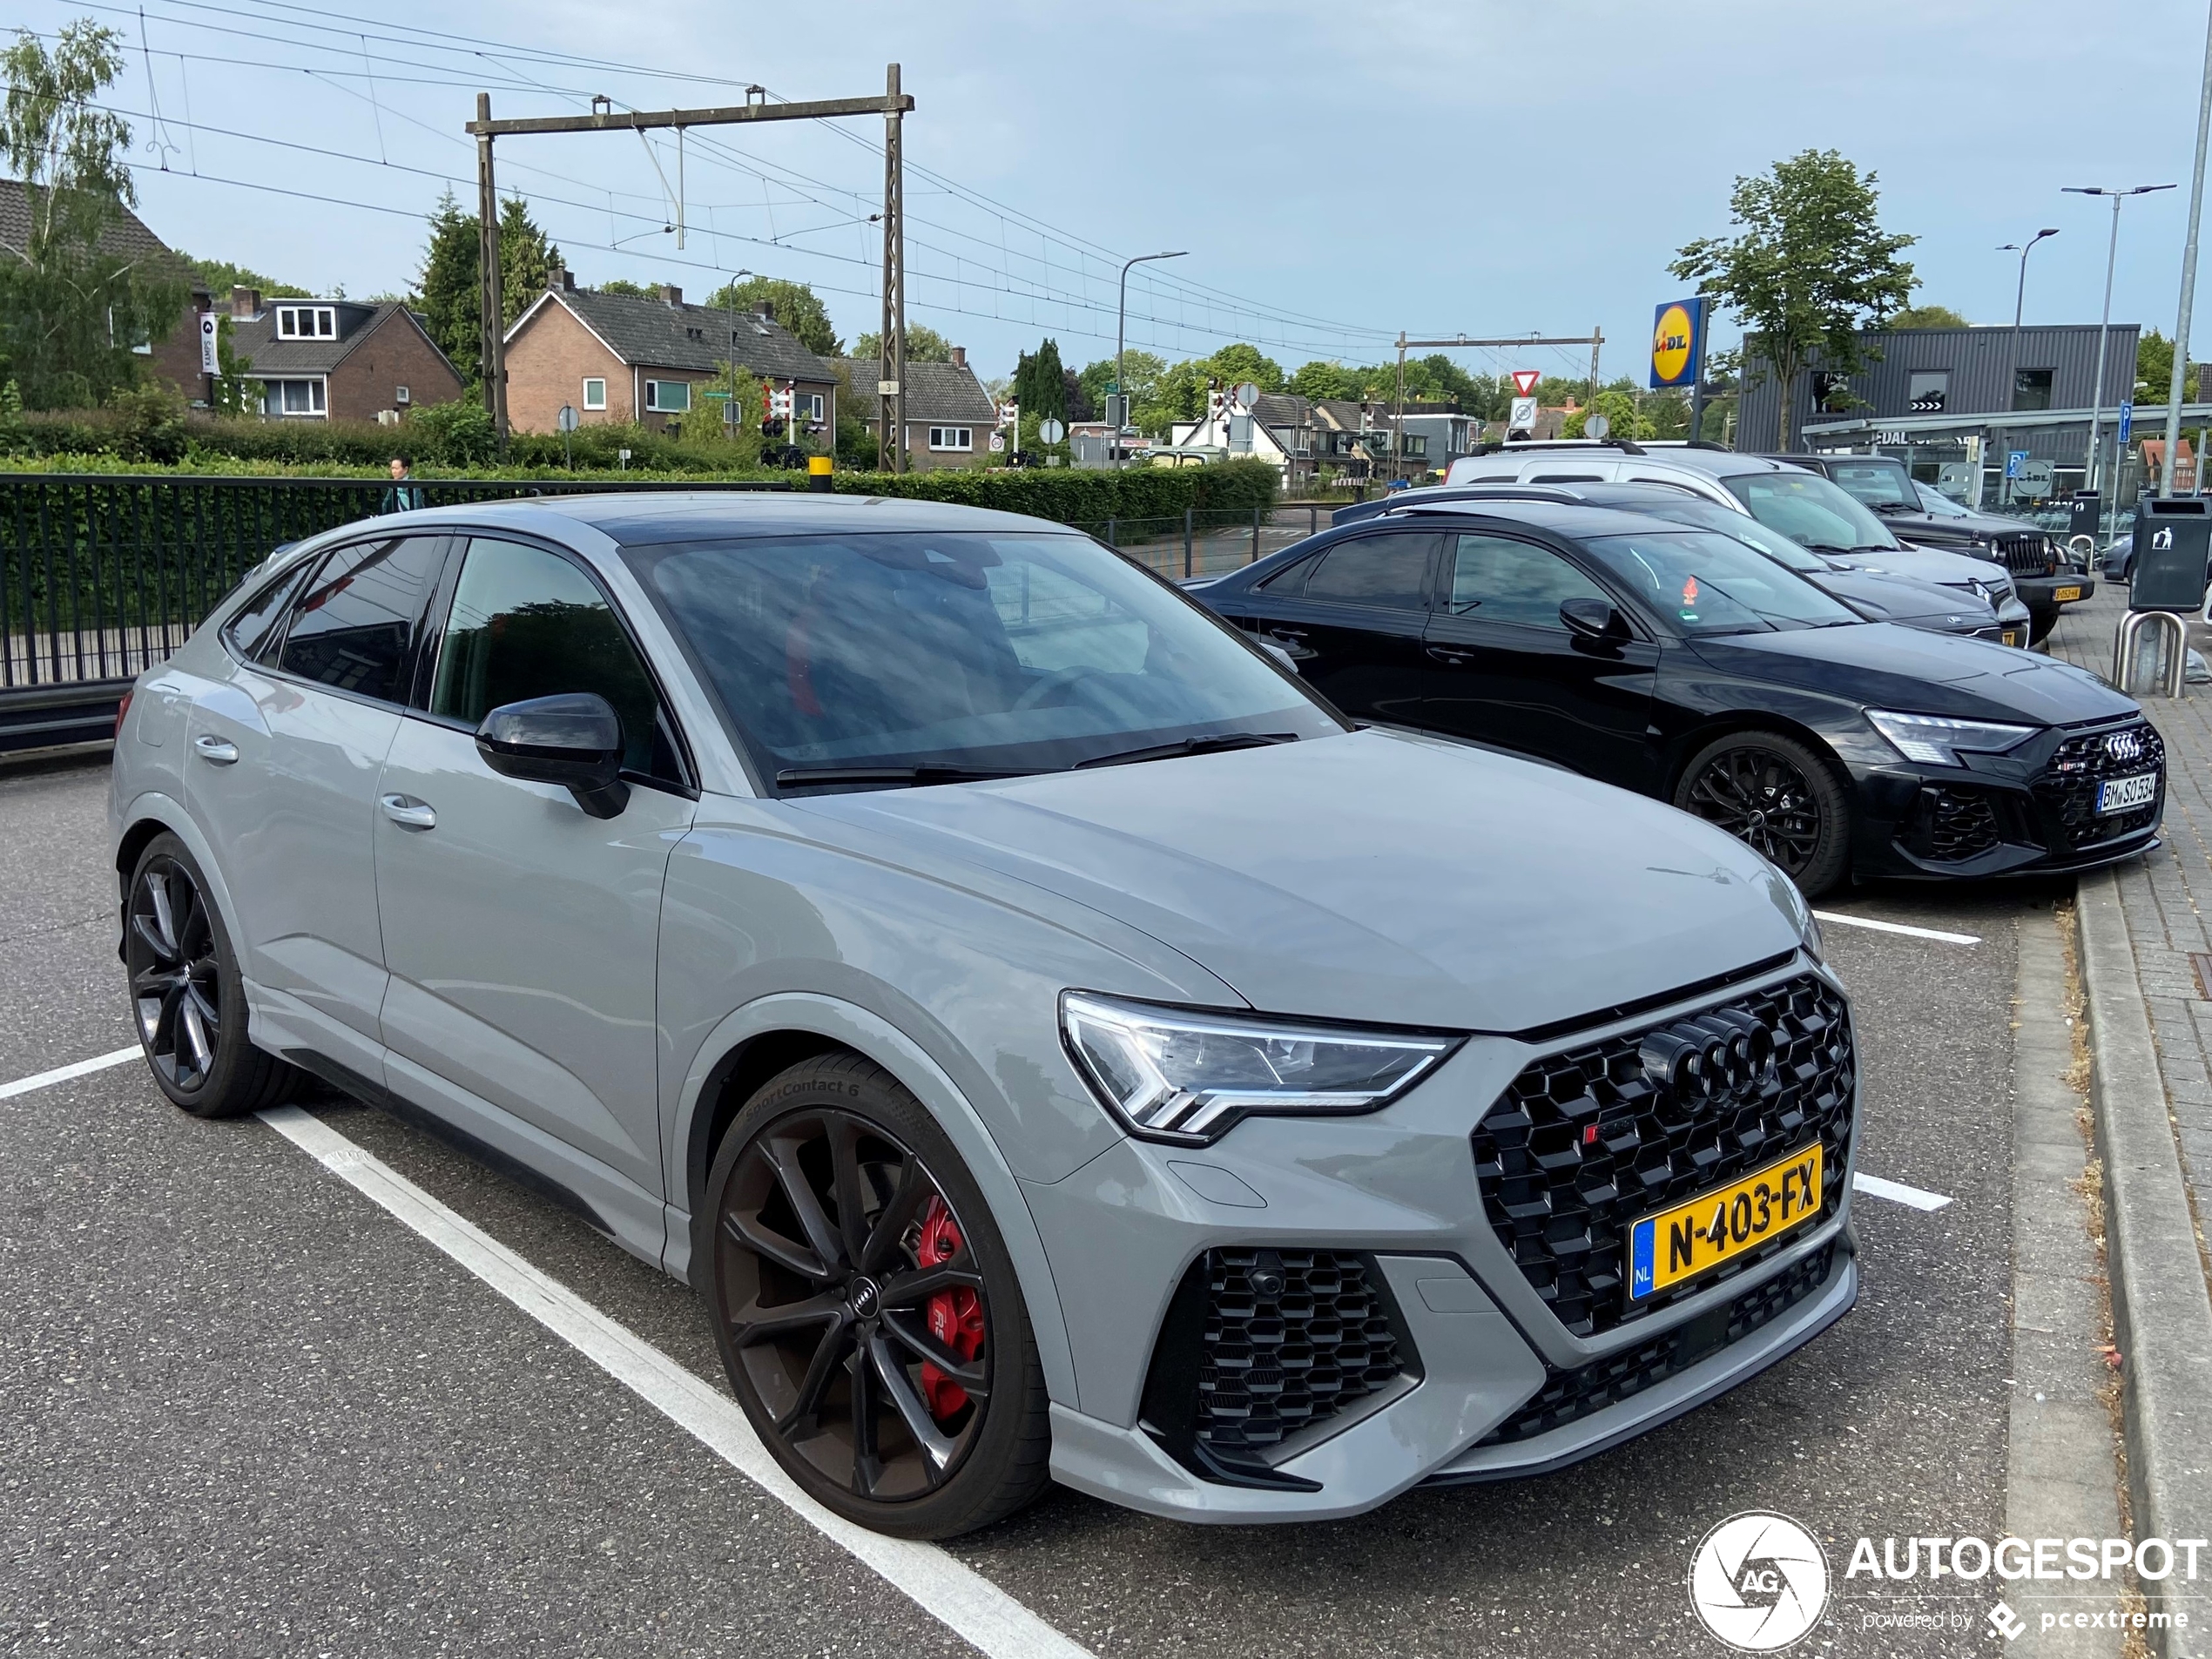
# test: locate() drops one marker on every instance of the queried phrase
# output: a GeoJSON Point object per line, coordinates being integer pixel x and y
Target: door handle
{"type": "Point", "coordinates": [1455, 658]}
{"type": "Point", "coordinates": [217, 752]}
{"type": "Point", "coordinates": [409, 813]}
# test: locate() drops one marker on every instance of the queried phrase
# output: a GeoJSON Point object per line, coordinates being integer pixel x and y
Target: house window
{"type": "Point", "coordinates": [951, 437]}
{"type": "Point", "coordinates": [401, 396]}
{"type": "Point", "coordinates": [293, 398]}
{"type": "Point", "coordinates": [2031, 388]}
{"type": "Point", "coordinates": [306, 322]}
{"type": "Point", "coordinates": [1930, 387]}
{"type": "Point", "coordinates": [813, 406]}
{"type": "Point", "coordinates": [595, 393]}
{"type": "Point", "coordinates": [668, 397]}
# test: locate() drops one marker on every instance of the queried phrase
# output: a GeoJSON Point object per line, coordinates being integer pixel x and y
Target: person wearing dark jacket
{"type": "Point", "coordinates": [402, 494]}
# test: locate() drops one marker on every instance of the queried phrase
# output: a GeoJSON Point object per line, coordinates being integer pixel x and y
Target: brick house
{"type": "Point", "coordinates": [337, 360]}
{"type": "Point", "coordinates": [618, 358]}
{"type": "Point", "coordinates": [949, 417]}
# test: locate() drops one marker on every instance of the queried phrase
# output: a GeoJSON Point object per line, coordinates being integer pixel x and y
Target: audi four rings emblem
{"type": "Point", "coordinates": [2125, 746]}
{"type": "Point", "coordinates": [1714, 1056]}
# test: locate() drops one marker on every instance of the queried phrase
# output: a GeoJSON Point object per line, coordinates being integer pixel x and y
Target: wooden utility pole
{"type": "Point", "coordinates": [604, 118]}
{"type": "Point", "coordinates": [891, 369]}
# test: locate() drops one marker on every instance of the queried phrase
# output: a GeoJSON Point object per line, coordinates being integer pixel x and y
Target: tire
{"type": "Point", "coordinates": [188, 998]}
{"type": "Point", "coordinates": [1777, 796]}
{"type": "Point", "coordinates": [824, 1327]}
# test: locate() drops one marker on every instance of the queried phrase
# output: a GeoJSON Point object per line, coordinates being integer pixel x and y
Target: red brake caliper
{"type": "Point", "coordinates": [955, 1316]}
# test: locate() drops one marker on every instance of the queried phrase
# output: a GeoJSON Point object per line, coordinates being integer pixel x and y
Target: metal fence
{"type": "Point", "coordinates": [1200, 542]}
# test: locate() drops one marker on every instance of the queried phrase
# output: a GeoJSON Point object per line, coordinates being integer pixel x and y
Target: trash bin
{"type": "Point", "coordinates": [2084, 514]}
{"type": "Point", "coordinates": [2173, 553]}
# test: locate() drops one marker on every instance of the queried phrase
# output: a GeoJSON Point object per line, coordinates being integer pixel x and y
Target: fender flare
{"type": "Point", "coordinates": [152, 805]}
{"type": "Point", "coordinates": [871, 1035]}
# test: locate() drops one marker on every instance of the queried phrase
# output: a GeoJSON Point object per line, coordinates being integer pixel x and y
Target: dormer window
{"type": "Point", "coordinates": [306, 322]}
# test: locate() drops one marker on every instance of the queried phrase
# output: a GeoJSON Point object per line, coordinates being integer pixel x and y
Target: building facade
{"type": "Point", "coordinates": [336, 360]}
{"type": "Point", "coordinates": [948, 416]}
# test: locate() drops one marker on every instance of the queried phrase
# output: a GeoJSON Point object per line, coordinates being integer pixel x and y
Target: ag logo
{"type": "Point", "coordinates": [1759, 1581]}
{"type": "Point", "coordinates": [1670, 344]}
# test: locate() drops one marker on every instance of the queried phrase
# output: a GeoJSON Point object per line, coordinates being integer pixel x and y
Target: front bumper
{"type": "Point", "coordinates": [1491, 1347]}
{"type": "Point", "coordinates": [2042, 594]}
{"type": "Point", "coordinates": [2030, 812]}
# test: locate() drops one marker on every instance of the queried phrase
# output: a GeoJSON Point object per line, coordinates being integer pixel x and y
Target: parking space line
{"type": "Point", "coordinates": [63, 1074]}
{"type": "Point", "coordinates": [1898, 1192]}
{"type": "Point", "coordinates": [1842, 920]}
{"type": "Point", "coordinates": [958, 1597]}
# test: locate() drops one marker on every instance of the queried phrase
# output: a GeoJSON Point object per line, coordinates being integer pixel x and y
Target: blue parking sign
{"type": "Point", "coordinates": [2126, 422]}
{"type": "Point", "coordinates": [2014, 461]}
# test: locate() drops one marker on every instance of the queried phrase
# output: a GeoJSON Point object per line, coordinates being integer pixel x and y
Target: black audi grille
{"type": "Point", "coordinates": [1584, 1143]}
{"type": "Point", "coordinates": [1961, 825]}
{"type": "Point", "coordinates": [1567, 1395]}
{"type": "Point", "coordinates": [2028, 554]}
{"type": "Point", "coordinates": [2068, 786]}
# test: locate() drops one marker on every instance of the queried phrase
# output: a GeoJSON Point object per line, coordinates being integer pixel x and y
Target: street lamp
{"type": "Point", "coordinates": [2189, 284]}
{"type": "Point", "coordinates": [2019, 299]}
{"type": "Point", "coordinates": [1121, 334]}
{"type": "Point", "coordinates": [2089, 470]}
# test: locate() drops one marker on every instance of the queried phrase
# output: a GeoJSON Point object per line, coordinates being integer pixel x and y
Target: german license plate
{"type": "Point", "coordinates": [2012, 636]}
{"type": "Point", "coordinates": [2125, 794]}
{"type": "Point", "coordinates": [1695, 1237]}
{"type": "Point", "coordinates": [2064, 595]}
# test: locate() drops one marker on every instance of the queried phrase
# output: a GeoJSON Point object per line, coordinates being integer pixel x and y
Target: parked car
{"type": "Point", "coordinates": [2037, 560]}
{"type": "Point", "coordinates": [1877, 598]}
{"type": "Point", "coordinates": [1802, 505]}
{"type": "Point", "coordinates": [1684, 665]}
{"type": "Point", "coordinates": [1050, 1039]}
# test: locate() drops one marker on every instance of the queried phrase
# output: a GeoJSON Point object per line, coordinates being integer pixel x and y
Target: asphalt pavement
{"type": "Point", "coordinates": [248, 1411]}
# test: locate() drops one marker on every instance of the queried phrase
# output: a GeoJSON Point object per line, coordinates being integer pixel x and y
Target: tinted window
{"type": "Point", "coordinates": [1705, 584]}
{"type": "Point", "coordinates": [254, 631]}
{"type": "Point", "coordinates": [1010, 652]}
{"type": "Point", "coordinates": [526, 622]}
{"type": "Point", "coordinates": [1811, 511]}
{"type": "Point", "coordinates": [1497, 579]}
{"type": "Point", "coordinates": [355, 624]}
{"type": "Point", "coordinates": [1387, 571]}
{"type": "Point", "coordinates": [1876, 480]}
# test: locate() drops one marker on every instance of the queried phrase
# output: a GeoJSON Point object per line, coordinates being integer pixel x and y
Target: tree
{"type": "Point", "coordinates": [1238, 363]}
{"type": "Point", "coordinates": [2154, 371]}
{"type": "Point", "coordinates": [1040, 382]}
{"type": "Point", "coordinates": [798, 313]}
{"type": "Point", "coordinates": [1317, 379]}
{"type": "Point", "coordinates": [628, 289]}
{"type": "Point", "coordinates": [1928, 317]}
{"type": "Point", "coordinates": [71, 310]}
{"type": "Point", "coordinates": [1618, 406]}
{"type": "Point", "coordinates": [1811, 267]}
{"type": "Point", "coordinates": [924, 344]}
{"type": "Point", "coordinates": [1075, 397]}
{"type": "Point", "coordinates": [527, 261]}
{"type": "Point", "coordinates": [221, 276]}
{"type": "Point", "coordinates": [1142, 370]}
{"type": "Point", "coordinates": [452, 305]}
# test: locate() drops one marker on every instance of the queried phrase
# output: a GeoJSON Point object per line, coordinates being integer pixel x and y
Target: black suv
{"type": "Point", "coordinates": [2036, 560]}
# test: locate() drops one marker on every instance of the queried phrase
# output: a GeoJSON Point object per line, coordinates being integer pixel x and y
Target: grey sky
{"type": "Point", "coordinates": [1350, 171]}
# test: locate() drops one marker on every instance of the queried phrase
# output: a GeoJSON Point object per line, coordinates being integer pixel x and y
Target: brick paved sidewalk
{"type": "Point", "coordinates": [2168, 896]}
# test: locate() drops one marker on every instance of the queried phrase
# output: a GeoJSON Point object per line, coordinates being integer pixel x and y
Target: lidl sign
{"type": "Point", "coordinates": [1678, 342]}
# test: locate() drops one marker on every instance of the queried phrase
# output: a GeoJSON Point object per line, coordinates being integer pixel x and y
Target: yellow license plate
{"type": "Point", "coordinates": [1693, 1237]}
{"type": "Point", "coordinates": [2012, 638]}
{"type": "Point", "coordinates": [2064, 593]}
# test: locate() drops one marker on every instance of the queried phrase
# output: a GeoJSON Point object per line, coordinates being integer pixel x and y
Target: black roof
{"type": "Point", "coordinates": [124, 236]}
{"type": "Point", "coordinates": [268, 357]}
{"type": "Point", "coordinates": [1564, 518]}
{"type": "Point", "coordinates": [934, 391]}
{"type": "Point", "coordinates": [653, 333]}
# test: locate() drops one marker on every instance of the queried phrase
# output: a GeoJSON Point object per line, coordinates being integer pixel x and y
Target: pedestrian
{"type": "Point", "coordinates": [402, 494]}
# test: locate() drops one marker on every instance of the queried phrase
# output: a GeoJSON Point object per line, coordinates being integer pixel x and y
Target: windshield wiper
{"type": "Point", "coordinates": [1190, 747]}
{"type": "Point", "coordinates": [1891, 507]}
{"type": "Point", "coordinates": [815, 777]}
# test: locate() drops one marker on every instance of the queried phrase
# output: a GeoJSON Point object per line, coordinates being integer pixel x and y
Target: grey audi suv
{"type": "Point", "coordinates": [1053, 1042]}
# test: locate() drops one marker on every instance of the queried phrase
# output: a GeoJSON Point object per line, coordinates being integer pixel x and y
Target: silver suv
{"type": "Point", "coordinates": [1051, 1042]}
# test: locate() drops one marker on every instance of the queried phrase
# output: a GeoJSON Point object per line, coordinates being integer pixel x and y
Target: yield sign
{"type": "Point", "coordinates": [1524, 381]}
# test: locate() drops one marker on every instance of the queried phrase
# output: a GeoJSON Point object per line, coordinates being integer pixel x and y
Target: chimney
{"type": "Point", "coordinates": [245, 303]}
{"type": "Point", "coordinates": [959, 357]}
{"type": "Point", "coordinates": [766, 310]}
{"type": "Point", "coordinates": [672, 294]}
{"type": "Point", "coordinates": [561, 279]}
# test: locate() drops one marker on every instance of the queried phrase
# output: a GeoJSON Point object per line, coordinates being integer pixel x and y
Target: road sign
{"type": "Point", "coordinates": [1678, 342]}
{"type": "Point", "coordinates": [1247, 395]}
{"type": "Point", "coordinates": [1050, 431]}
{"type": "Point", "coordinates": [2037, 478]}
{"type": "Point", "coordinates": [1596, 426]}
{"type": "Point", "coordinates": [998, 442]}
{"type": "Point", "coordinates": [1523, 418]}
{"type": "Point", "coordinates": [2126, 422]}
{"type": "Point", "coordinates": [566, 419]}
{"type": "Point", "coordinates": [1524, 380]}
{"type": "Point", "coordinates": [2014, 461]}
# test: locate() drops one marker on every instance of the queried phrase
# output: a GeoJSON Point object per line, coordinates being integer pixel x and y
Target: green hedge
{"type": "Point", "coordinates": [1081, 497]}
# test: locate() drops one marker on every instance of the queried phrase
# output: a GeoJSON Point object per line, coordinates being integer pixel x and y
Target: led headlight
{"type": "Point", "coordinates": [1175, 1075]}
{"type": "Point", "coordinates": [1936, 741]}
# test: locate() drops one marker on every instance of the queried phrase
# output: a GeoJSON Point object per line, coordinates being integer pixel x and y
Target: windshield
{"type": "Point", "coordinates": [1936, 504]}
{"type": "Point", "coordinates": [957, 653]}
{"type": "Point", "coordinates": [1705, 584]}
{"type": "Point", "coordinates": [1876, 480]}
{"type": "Point", "coordinates": [1711, 516]}
{"type": "Point", "coordinates": [1811, 511]}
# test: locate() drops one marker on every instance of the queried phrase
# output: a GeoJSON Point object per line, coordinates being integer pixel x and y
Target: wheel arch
{"type": "Point", "coordinates": [1688, 746]}
{"type": "Point", "coordinates": [149, 815]}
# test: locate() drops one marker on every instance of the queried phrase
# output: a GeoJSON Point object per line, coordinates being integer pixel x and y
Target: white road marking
{"type": "Point", "coordinates": [63, 1074]}
{"type": "Point", "coordinates": [1842, 920]}
{"type": "Point", "coordinates": [964, 1601]}
{"type": "Point", "coordinates": [1897, 1192]}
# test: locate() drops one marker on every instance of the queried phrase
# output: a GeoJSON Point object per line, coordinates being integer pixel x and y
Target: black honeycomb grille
{"type": "Point", "coordinates": [1272, 1361]}
{"type": "Point", "coordinates": [1583, 1143]}
{"type": "Point", "coordinates": [1962, 825]}
{"type": "Point", "coordinates": [1569, 1395]}
{"type": "Point", "coordinates": [2068, 786]}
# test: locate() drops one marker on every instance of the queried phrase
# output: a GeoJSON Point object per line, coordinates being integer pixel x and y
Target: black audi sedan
{"type": "Point", "coordinates": [1683, 664]}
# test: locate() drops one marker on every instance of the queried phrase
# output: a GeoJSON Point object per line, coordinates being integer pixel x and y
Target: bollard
{"type": "Point", "coordinates": [818, 475]}
{"type": "Point", "coordinates": [1255, 557]}
{"type": "Point", "coordinates": [1186, 571]}
{"type": "Point", "coordinates": [2174, 653]}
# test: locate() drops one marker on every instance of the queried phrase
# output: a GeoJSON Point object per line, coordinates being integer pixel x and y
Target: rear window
{"type": "Point", "coordinates": [1876, 481]}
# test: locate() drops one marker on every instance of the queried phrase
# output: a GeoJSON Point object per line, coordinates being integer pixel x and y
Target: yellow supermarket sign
{"type": "Point", "coordinates": [1678, 342]}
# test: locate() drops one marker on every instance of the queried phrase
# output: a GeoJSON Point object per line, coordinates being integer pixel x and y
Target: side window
{"type": "Point", "coordinates": [254, 631]}
{"type": "Point", "coordinates": [354, 625]}
{"type": "Point", "coordinates": [1560, 469]}
{"type": "Point", "coordinates": [1497, 579]}
{"type": "Point", "coordinates": [526, 622]}
{"type": "Point", "coordinates": [1389, 572]}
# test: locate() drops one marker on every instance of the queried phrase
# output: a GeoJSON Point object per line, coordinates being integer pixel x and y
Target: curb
{"type": "Point", "coordinates": [2162, 1310]}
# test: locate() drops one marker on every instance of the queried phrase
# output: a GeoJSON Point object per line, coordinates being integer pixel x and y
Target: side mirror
{"type": "Point", "coordinates": [574, 739]}
{"type": "Point", "coordinates": [1595, 620]}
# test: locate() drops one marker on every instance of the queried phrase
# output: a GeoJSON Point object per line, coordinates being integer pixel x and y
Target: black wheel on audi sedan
{"type": "Point", "coordinates": [187, 992]}
{"type": "Point", "coordinates": [866, 1308]}
{"type": "Point", "coordinates": [1776, 795]}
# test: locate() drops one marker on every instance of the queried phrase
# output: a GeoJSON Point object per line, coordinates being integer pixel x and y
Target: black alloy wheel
{"type": "Point", "coordinates": [1776, 797]}
{"type": "Point", "coordinates": [186, 995]}
{"type": "Point", "coordinates": [865, 1310]}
